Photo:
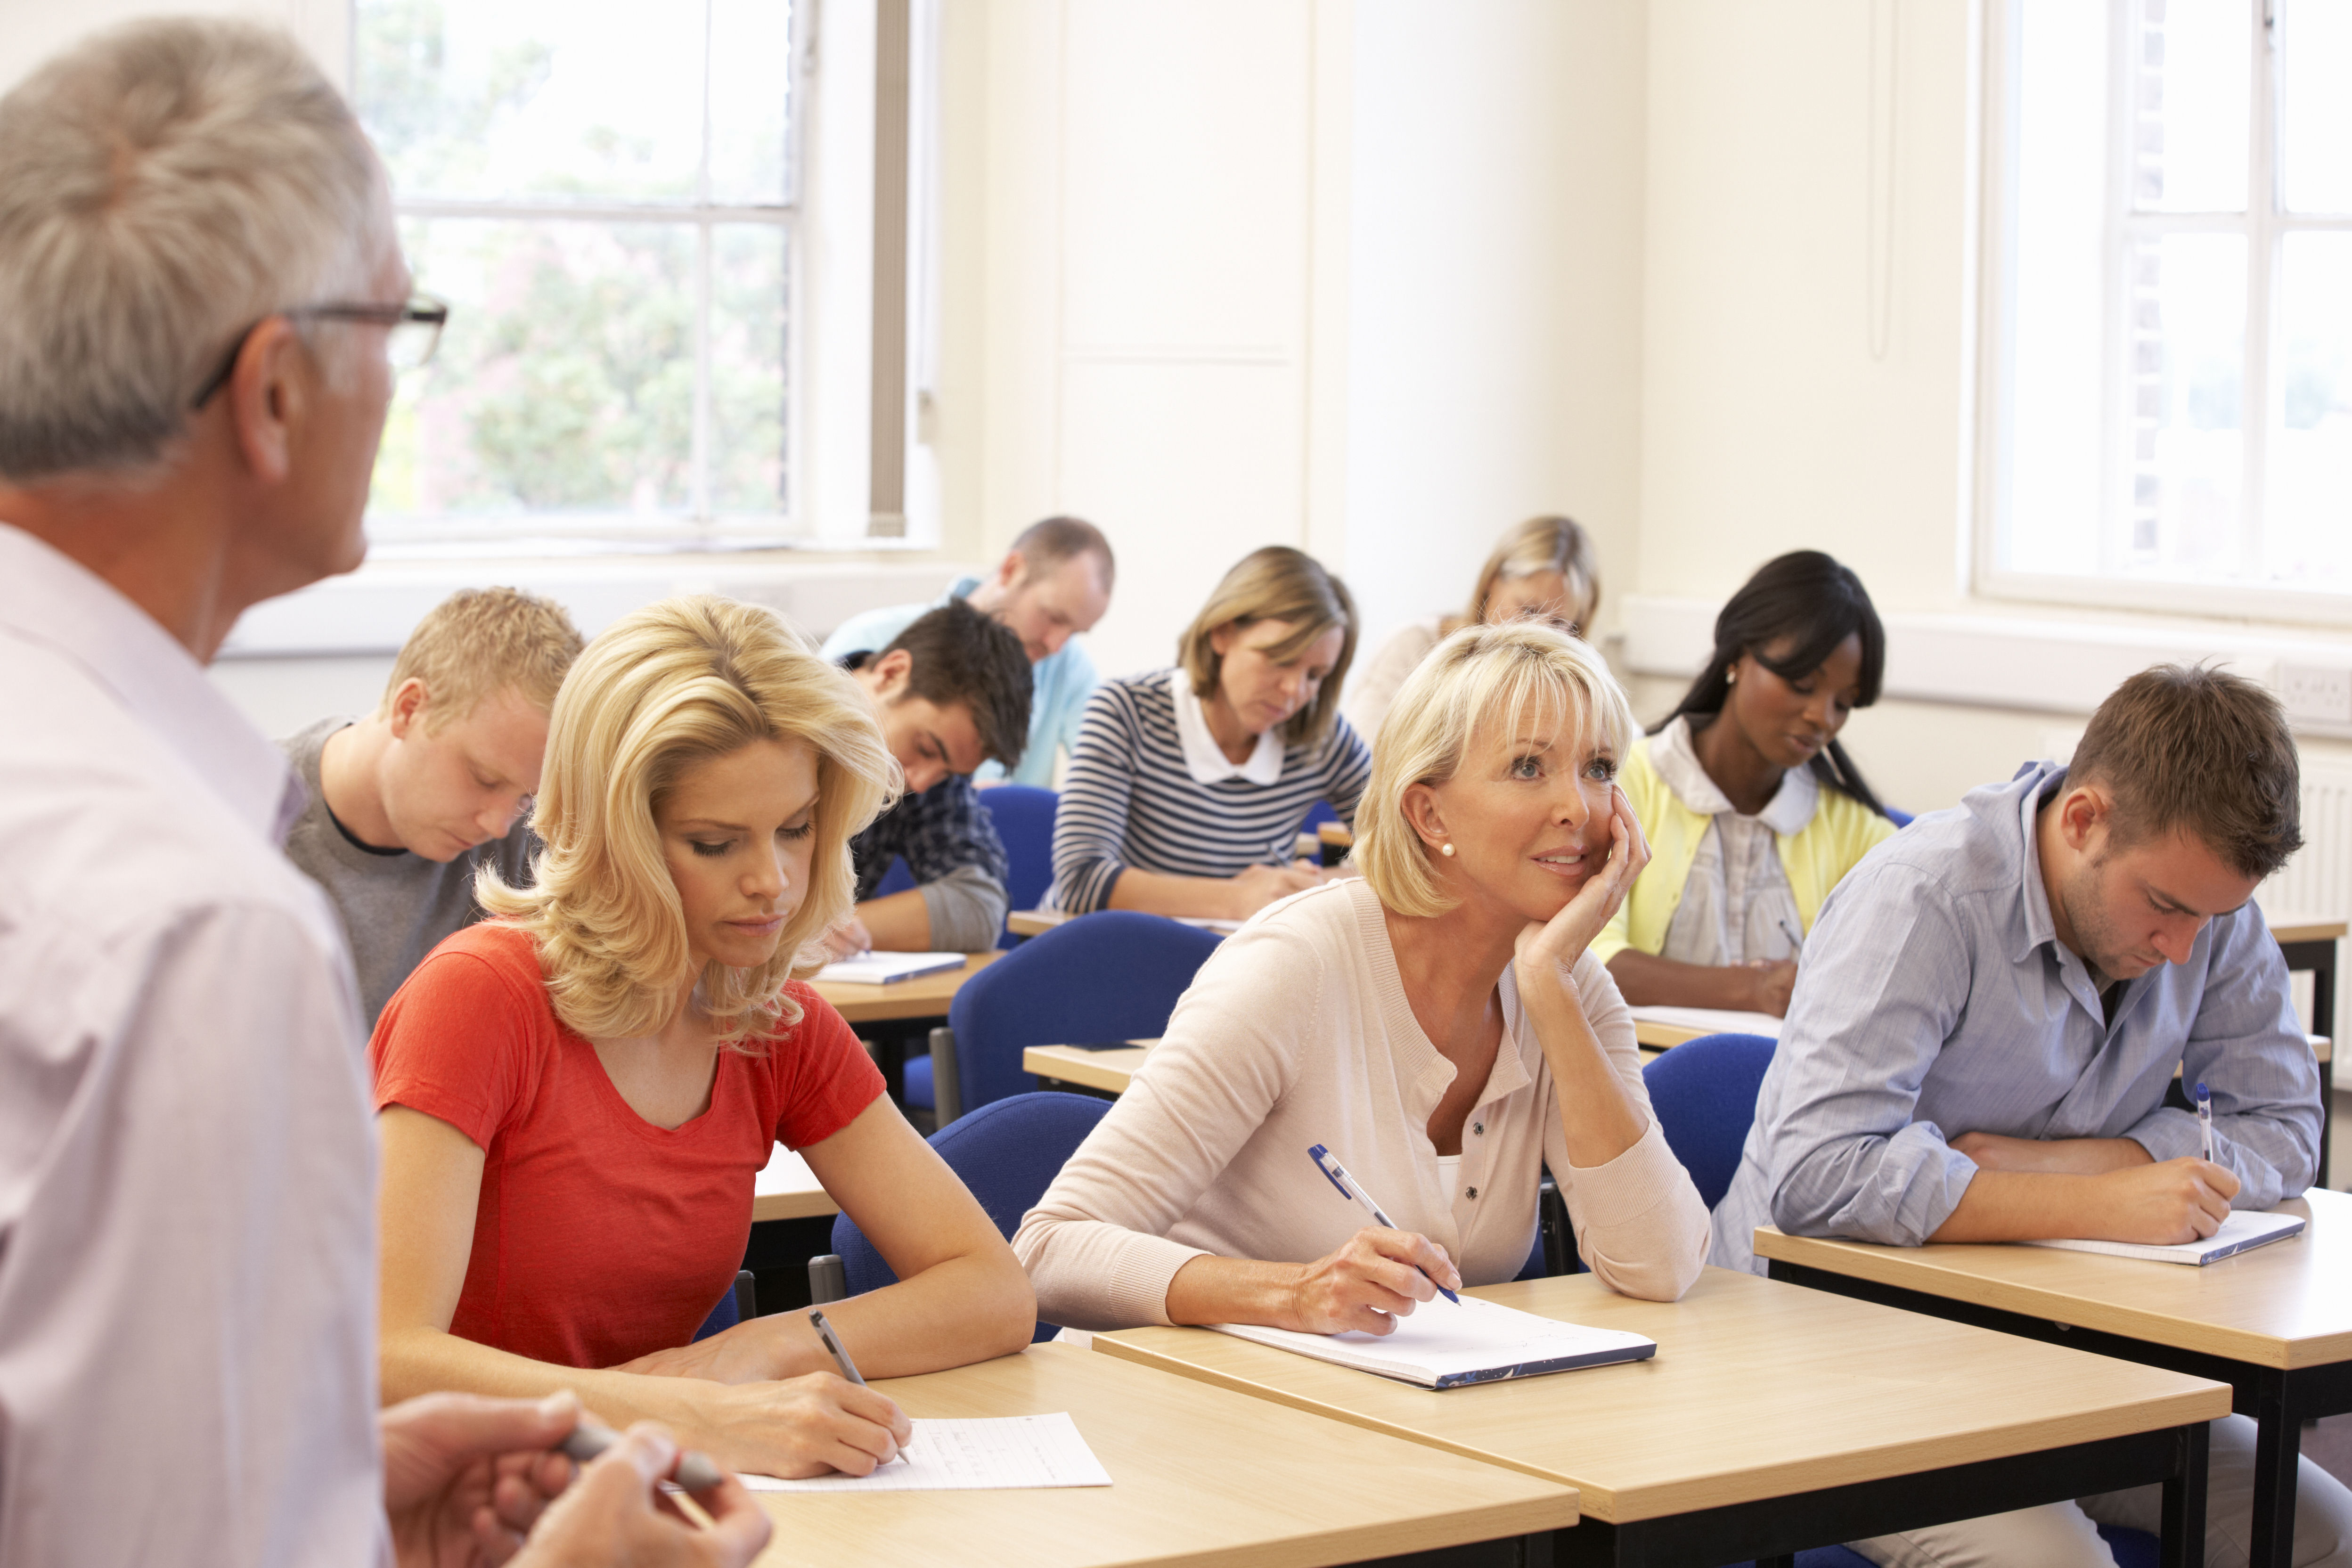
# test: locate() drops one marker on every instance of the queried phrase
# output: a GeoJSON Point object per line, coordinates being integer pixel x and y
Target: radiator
{"type": "Point", "coordinates": [2318, 881]}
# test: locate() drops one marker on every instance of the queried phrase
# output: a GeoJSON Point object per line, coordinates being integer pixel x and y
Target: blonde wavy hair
{"type": "Point", "coordinates": [1541, 544]}
{"type": "Point", "coordinates": [1519, 672]}
{"type": "Point", "coordinates": [676, 684]}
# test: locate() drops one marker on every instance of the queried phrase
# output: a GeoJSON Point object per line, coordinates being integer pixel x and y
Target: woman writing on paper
{"type": "Point", "coordinates": [1752, 808]}
{"type": "Point", "coordinates": [576, 1098]}
{"type": "Point", "coordinates": [1188, 785]}
{"type": "Point", "coordinates": [1436, 1022]}
{"type": "Point", "coordinates": [1546, 566]}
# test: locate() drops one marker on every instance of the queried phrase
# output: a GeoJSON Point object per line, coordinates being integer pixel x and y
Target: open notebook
{"type": "Point", "coordinates": [2242, 1231]}
{"type": "Point", "coordinates": [1443, 1345]}
{"type": "Point", "coordinates": [886, 968]}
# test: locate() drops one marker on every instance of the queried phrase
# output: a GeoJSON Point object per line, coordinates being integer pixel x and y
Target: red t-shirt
{"type": "Point", "coordinates": [600, 1237]}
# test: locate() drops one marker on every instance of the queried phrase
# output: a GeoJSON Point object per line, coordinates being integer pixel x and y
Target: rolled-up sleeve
{"type": "Point", "coordinates": [2248, 1047]}
{"type": "Point", "coordinates": [967, 910]}
{"type": "Point", "coordinates": [1884, 977]}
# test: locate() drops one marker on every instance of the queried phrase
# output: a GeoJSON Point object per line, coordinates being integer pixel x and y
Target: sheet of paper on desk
{"type": "Point", "coordinates": [1714, 1020]}
{"type": "Point", "coordinates": [885, 968]}
{"type": "Point", "coordinates": [1441, 1344]}
{"type": "Point", "coordinates": [971, 1454]}
{"type": "Point", "coordinates": [2242, 1232]}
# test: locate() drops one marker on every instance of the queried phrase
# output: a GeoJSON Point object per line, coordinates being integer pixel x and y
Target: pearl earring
{"type": "Point", "coordinates": [1445, 849]}
{"type": "Point", "coordinates": [1731, 677]}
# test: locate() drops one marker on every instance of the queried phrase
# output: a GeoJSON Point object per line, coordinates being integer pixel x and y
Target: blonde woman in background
{"type": "Point", "coordinates": [576, 1097]}
{"type": "Point", "coordinates": [1437, 1021]}
{"type": "Point", "coordinates": [1188, 785]}
{"type": "Point", "coordinates": [1546, 566]}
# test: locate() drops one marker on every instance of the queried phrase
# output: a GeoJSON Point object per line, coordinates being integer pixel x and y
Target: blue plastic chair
{"type": "Point", "coordinates": [896, 880]}
{"type": "Point", "coordinates": [1023, 816]}
{"type": "Point", "coordinates": [1112, 975]}
{"type": "Point", "coordinates": [732, 1309]}
{"type": "Point", "coordinates": [1704, 1092]}
{"type": "Point", "coordinates": [1008, 1152]}
{"type": "Point", "coordinates": [1900, 818]}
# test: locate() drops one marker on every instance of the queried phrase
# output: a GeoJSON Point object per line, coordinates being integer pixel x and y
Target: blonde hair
{"type": "Point", "coordinates": [481, 640]}
{"type": "Point", "coordinates": [1275, 583]}
{"type": "Point", "coordinates": [1477, 677]}
{"type": "Point", "coordinates": [676, 684]}
{"type": "Point", "coordinates": [1542, 544]}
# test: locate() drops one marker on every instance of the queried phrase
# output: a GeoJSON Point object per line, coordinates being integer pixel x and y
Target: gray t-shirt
{"type": "Point", "coordinates": [396, 908]}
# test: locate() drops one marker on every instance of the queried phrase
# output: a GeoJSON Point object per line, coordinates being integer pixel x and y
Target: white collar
{"type": "Point", "coordinates": [1203, 758]}
{"type": "Point", "coordinates": [1791, 807]}
{"type": "Point", "coordinates": [48, 598]}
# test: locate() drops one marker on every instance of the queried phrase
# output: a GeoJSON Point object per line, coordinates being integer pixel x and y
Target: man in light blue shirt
{"type": "Point", "coordinates": [1053, 584]}
{"type": "Point", "coordinates": [1987, 1017]}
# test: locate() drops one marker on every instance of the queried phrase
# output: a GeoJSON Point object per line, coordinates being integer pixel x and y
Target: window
{"type": "Point", "coordinates": [2169, 365]}
{"type": "Point", "coordinates": [606, 195]}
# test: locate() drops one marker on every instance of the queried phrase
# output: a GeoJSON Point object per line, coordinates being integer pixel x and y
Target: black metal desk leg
{"type": "Point", "coordinates": [2183, 1539]}
{"type": "Point", "coordinates": [2278, 1450]}
{"type": "Point", "coordinates": [2322, 1022]}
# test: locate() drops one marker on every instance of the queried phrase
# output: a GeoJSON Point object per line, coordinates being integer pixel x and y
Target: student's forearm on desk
{"type": "Point", "coordinates": [1648, 981]}
{"type": "Point", "coordinates": [2162, 1205]}
{"type": "Point", "coordinates": [2051, 1156]}
{"type": "Point", "coordinates": [898, 924]}
{"type": "Point", "coordinates": [1164, 893]}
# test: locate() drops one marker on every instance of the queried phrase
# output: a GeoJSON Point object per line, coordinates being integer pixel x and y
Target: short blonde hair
{"type": "Point", "coordinates": [676, 684]}
{"type": "Point", "coordinates": [1544, 544]}
{"type": "Point", "coordinates": [1476, 676]}
{"type": "Point", "coordinates": [1276, 584]}
{"type": "Point", "coordinates": [481, 640]}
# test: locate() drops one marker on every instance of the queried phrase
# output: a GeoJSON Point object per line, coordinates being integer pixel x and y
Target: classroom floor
{"type": "Point", "coordinates": [2329, 1445]}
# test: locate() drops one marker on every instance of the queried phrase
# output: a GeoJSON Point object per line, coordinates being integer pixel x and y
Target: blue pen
{"type": "Point", "coordinates": [1349, 1187]}
{"type": "Point", "coordinates": [2205, 1118]}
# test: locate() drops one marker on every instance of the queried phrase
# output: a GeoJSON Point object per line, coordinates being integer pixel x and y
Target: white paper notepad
{"type": "Point", "coordinates": [1713, 1020]}
{"type": "Point", "coordinates": [1441, 1344]}
{"type": "Point", "coordinates": [2242, 1231]}
{"type": "Point", "coordinates": [885, 968]}
{"type": "Point", "coordinates": [972, 1454]}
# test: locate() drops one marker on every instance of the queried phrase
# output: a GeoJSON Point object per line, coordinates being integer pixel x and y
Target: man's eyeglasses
{"type": "Point", "coordinates": [416, 334]}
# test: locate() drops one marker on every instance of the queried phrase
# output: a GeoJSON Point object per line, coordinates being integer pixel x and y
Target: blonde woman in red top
{"type": "Point", "coordinates": [574, 1099]}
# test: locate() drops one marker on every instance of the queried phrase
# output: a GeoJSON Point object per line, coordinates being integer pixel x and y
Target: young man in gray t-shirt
{"type": "Point", "coordinates": [407, 804]}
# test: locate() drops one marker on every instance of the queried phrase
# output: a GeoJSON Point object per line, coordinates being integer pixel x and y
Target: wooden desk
{"type": "Point", "coordinates": [2274, 1323]}
{"type": "Point", "coordinates": [1034, 922]}
{"type": "Point", "coordinates": [925, 997]}
{"type": "Point", "coordinates": [1108, 1071]}
{"type": "Point", "coordinates": [1771, 1419]}
{"type": "Point", "coordinates": [1199, 1477]}
{"type": "Point", "coordinates": [1660, 1028]}
{"type": "Point", "coordinates": [788, 1189]}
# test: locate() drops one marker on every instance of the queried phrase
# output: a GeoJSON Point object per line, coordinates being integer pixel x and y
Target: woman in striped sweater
{"type": "Point", "coordinates": [1188, 785]}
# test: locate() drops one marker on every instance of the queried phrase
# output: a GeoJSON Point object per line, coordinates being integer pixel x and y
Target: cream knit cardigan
{"type": "Point", "coordinates": [1296, 1032]}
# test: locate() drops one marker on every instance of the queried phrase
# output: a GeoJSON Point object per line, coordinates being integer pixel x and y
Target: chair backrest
{"type": "Point", "coordinates": [896, 880]}
{"type": "Point", "coordinates": [1008, 1152]}
{"type": "Point", "coordinates": [1704, 1092]}
{"type": "Point", "coordinates": [1023, 816]}
{"type": "Point", "coordinates": [1113, 975]}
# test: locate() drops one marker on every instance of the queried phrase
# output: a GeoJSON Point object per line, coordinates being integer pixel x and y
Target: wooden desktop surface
{"type": "Point", "coordinates": [1108, 1070]}
{"type": "Point", "coordinates": [1758, 1390]}
{"type": "Point", "coordinates": [2298, 927]}
{"type": "Point", "coordinates": [1034, 922]}
{"type": "Point", "coordinates": [925, 997]}
{"type": "Point", "coordinates": [788, 1189]}
{"type": "Point", "coordinates": [2287, 1305]}
{"type": "Point", "coordinates": [1199, 1476]}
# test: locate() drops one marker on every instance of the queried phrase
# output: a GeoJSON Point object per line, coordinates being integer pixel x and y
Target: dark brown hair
{"type": "Point", "coordinates": [2181, 746]}
{"type": "Point", "coordinates": [963, 656]}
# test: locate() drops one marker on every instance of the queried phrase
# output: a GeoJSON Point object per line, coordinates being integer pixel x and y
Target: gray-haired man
{"type": "Point", "coordinates": [198, 281]}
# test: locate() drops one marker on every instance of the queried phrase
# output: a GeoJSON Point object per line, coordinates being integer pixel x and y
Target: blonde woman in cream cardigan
{"type": "Point", "coordinates": [1438, 1021]}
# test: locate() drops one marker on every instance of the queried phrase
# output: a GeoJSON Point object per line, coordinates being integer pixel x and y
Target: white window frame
{"type": "Point", "coordinates": [2263, 223]}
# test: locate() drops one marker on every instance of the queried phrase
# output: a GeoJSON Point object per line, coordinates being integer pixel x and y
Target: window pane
{"type": "Point", "coordinates": [566, 382]}
{"type": "Point", "coordinates": [2187, 343]}
{"type": "Point", "coordinates": [2309, 537]}
{"type": "Point", "coordinates": [2314, 107]}
{"type": "Point", "coordinates": [750, 101]}
{"type": "Point", "coordinates": [748, 384]}
{"type": "Point", "coordinates": [542, 98]}
{"type": "Point", "coordinates": [2192, 83]}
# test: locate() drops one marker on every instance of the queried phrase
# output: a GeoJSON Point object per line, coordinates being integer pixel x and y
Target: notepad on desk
{"type": "Point", "coordinates": [1711, 1020]}
{"type": "Point", "coordinates": [885, 968]}
{"type": "Point", "coordinates": [971, 1454]}
{"type": "Point", "coordinates": [1445, 1345]}
{"type": "Point", "coordinates": [2239, 1233]}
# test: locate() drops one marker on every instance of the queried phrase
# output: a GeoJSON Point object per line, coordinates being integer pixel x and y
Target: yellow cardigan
{"type": "Point", "coordinates": [1842, 831]}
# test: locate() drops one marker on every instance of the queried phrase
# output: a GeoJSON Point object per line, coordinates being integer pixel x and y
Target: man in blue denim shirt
{"type": "Point", "coordinates": [1987, 1017]}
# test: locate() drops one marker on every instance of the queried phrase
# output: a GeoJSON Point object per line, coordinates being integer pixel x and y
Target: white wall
{"type": "Point", "coordinates": [33, 30]}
